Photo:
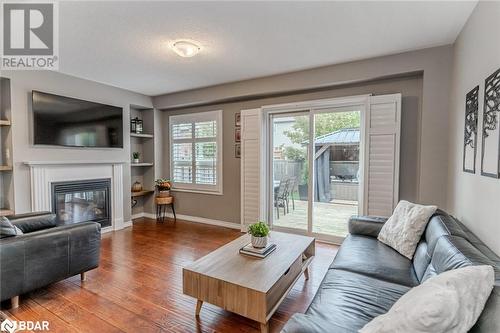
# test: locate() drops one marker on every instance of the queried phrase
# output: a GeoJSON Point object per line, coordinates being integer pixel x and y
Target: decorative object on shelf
{"type": "Point", "coordinates": [470, 130]}
{"type": "Point", "coordinates": [139, 126]}
{"type": "Point", "coordinates": [136, 155]}
{"type": "Point", "coordinates": [237, 119]}
{"type": "Point", "coordinates": [163, 187]}
{"type": "Point", "coordinates": [136, 125]}
{"type": "Point", "coordinates": [133, 125]}
{"type": "Point", "coordinates": [259, 232]}
{"type": "Point", "coordinates": [490, 152]}
{"type": "Point", "coordinates": [137, 186]}
{"type": "Point", "coordinates": [237, 150]}
{"type": "Point", "coordinates": [237, 134]}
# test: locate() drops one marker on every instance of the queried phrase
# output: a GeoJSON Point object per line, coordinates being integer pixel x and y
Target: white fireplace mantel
{"type": "Point", "coordinates": [44, 173]}
{"type": "Point", "coordinates": [30, 163]}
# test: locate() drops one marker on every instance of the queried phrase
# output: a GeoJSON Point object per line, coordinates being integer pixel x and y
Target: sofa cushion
{"type": "Point", "coordinates": [441, 224]}
{"type": "Point", "coordinates": [449, 302]}
{"type": "Point", "coordinates": [31, 222]}
{"type": "Point", "coordinates": [350, 300]}
{"type": "Point", "coordinates": [366, 255]}
{"type": "Point", "coordinates": [421, 260]}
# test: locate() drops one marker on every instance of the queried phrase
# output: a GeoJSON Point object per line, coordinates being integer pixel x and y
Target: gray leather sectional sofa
{"type": "Point", "coordinates": [45, 253]}
{"type": "Point", "coordinates": [367, 277]}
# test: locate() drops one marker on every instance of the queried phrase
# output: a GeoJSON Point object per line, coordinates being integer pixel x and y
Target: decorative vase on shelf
{"type": "Point", "coordinates": [259, 242]}
{"type": "Point", "coordinates": [136, 160]}
{"type": "Point", "coordinates": [136, 187]}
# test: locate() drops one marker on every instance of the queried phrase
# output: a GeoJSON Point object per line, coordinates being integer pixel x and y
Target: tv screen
{"type": "Point", "coordinates": [65, 121]}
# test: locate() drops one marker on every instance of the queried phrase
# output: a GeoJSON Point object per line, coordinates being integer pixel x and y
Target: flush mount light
{"type": "Point", "coordinates": [185, 48]}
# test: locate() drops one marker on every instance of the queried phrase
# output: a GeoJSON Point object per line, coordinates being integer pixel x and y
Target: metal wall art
{"type": "Point", "coordinates": [470, 130]}
{"type": "Point", "coordinates": [490, 153]}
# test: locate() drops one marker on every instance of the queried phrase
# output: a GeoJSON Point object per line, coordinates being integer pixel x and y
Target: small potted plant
{"type": "Point", "coordinates": [163, 187]}
{"type": "Point", "coordinates": [259, 232]}
{"type": "Point", "coordinates": [135, 156]}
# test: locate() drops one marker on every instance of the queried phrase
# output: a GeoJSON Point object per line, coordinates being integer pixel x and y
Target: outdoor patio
{"type": "Point", "coordinates": [329, 217]}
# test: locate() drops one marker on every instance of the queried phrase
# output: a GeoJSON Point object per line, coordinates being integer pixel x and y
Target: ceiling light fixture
{"type": "Point", "coordinates": [185, 48]}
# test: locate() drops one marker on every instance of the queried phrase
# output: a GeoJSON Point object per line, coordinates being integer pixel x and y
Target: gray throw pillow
{"type": "Point", "coordinates": [7, 229]}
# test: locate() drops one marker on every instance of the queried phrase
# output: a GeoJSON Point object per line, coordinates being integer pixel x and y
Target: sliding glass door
{"type": "Point", "coordinates": [336, 169]}
{"type": "Point", "coordinates": [290, 172]}
{"type": "Point", "coordinates": [316, 170]}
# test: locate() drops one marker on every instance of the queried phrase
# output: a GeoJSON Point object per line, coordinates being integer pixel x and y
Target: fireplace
{"type": "Point", "coordinates": [81, 201]}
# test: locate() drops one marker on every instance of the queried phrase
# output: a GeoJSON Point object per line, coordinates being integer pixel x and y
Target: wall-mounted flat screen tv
{"type": "Point", "coordinates": [71, 122]}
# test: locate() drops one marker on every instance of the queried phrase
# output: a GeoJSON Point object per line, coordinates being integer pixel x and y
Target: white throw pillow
{"type": "Point", "coordinates": [449, 302]}
{"type": "Point", "coordinates": [403, 229]}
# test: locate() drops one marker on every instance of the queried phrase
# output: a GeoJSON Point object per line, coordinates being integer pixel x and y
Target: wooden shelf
{"type": "Point", "coordinates": [142, 193]}
{"type": "Point", "coordinates": [141, 164]}
{"type": "Point", "coordinates": [142, 135]}
{"type": "Point", "coordinates": [5, 122]}
{"type": "Point", "coordinates": [6, 212]}
{"type": "Point", "coordinates": [5, 168]}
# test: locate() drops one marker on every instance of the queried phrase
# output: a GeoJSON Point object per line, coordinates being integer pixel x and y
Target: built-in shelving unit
{"type": "Point", "coordinates": [144, 171]}
{"type": "Point", "coordinates": [6, 169]}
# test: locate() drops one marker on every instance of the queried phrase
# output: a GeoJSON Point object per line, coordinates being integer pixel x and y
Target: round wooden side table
{"type": "Point", "coordinates": [161, 207]}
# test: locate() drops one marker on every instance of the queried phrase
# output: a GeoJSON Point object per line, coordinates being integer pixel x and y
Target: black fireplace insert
{"type": "Point", "coordinates": [82, 201]}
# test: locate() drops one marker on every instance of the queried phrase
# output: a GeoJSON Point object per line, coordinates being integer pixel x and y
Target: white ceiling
{"type": "Point", "coordinates": [125, 44]}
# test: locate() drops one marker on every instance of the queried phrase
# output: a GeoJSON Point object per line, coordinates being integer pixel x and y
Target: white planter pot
{"type": "Point", "coordinates": [259, 242]}
{"type": "Point", "coordinates": [136, 160]}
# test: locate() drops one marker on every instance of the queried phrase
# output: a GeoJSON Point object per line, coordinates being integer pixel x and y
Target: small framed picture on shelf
{"type": "Point", "coordinates": [237, 134]}
{"type": "Point", "coordinates": [237, 119]}
{"type": "Point", "coordinates": [237, 150]}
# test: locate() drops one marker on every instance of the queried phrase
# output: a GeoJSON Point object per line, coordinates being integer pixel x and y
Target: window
{"type": "Point", "coordinates": [196, 152]}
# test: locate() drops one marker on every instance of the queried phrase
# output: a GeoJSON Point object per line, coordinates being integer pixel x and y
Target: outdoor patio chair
{"type": "Point", "coordinates": [292, 186]}
{"type": "Point", "coordinates": [280, 197]}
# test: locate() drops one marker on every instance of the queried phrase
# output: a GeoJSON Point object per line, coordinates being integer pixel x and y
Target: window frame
{"type": "Point", "coordinates": [192, 118]}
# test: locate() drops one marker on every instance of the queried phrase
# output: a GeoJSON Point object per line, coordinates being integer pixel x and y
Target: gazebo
{"type": "Point", "coordinates": [336, 160]}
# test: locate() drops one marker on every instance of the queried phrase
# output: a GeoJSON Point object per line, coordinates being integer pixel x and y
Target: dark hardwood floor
{"type": "Point", "coordinates": [138, 285]}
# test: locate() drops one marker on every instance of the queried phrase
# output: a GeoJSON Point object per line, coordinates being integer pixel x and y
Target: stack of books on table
{"type": "Point", "coordinates": [249, 250]}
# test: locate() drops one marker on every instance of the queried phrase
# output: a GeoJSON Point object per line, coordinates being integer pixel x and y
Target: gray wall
{"type": "Point", "coordinates": [474, 198]}
{"type": "Point", "coordinates": [227, 207]}
{"type": "Point", "coordinates": [432, 158]}
{"type": "Point", "coordinates": [22, 83]}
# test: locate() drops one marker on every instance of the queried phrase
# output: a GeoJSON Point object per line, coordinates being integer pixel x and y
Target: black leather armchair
{"type": "Point", "coordinates": [45, 253]}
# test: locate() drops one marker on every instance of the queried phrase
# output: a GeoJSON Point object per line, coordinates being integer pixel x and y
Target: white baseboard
{"type": "Point", "coordinates": [127, 224]}
{"type": "Point", "coordinates": [189, 218]}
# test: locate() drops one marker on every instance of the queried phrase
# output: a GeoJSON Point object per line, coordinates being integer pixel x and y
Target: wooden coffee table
{"type": "Point", "coordinates": [251, 287]}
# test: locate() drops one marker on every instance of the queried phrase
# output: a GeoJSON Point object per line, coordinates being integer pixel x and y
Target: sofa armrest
{"type": "Point", "coordinates": [31, 222]}
{"type": "Point", "coordinates": [366, 225]}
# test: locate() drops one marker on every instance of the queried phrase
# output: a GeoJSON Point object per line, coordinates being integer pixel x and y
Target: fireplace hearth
{"type": "Point", "coordinates": [82, 201]}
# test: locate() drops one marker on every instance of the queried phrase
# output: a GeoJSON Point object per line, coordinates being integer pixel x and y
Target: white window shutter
{"type": "Point", "coordinates": [383, 127]}
{"type": "Point", "coordinates": [251, 167]}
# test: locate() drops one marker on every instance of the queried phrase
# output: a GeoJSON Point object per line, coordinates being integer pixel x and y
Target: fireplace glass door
{"type": "Point", "coordinates": [82, 201]}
